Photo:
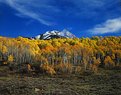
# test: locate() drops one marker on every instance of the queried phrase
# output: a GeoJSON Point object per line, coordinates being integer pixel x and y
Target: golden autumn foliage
{"type": "Point", "coordinates": [60, 55]}
{"type": "Point", "coordinates": [108, 61]}
{"type": "Point", "coordinates": [10, 58]}
{"type": "Point", "coordinates": [64, 67]}
{"type": "Point", "coordinates": [94, 65]}
{"type": "Point", "coordinates": [49, 69]}
{"type": "Point", "coordinates": [29, 67]}
{"type": "Point", "coordinates": [4, 49]}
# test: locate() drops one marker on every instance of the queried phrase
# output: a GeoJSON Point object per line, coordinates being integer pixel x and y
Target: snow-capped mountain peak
{"type": "Point", "coordinates": [67, 34]}
{"type": "Point", "coordinates": [55, 34]}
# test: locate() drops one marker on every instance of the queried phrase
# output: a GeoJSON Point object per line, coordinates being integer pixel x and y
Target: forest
{"type": "Point", "coordinates": [64, 66]}
{"type": "Point", "coordinates": [58, 56]}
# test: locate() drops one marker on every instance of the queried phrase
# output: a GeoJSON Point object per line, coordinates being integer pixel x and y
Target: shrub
{"type": "Point", "coordinates": [63, 68]}
{"type": "Point", "coordinates": [49, 69]}
{"type": "Point", "coordinates": [77, 69]}
{"type": "Point", "coordinates": [94, 68]}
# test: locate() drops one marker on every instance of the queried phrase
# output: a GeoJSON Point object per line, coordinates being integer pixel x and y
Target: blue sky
{"type": "Point", "coordinates": [84, 18]}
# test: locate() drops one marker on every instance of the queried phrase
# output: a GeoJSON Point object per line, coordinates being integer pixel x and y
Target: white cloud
{"type": "Point", "coordinates": [110, 26]}
{"type": "Point", "coordinates": [46, 11]}
{"type": "Point", "coordinates": [33, 9]}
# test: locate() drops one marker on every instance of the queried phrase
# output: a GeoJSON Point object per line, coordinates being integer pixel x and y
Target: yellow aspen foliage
{"type": "Point", "coordinates": [96, 61]}
{"type": "Point", "coordinates": [95, 64]}
{"type": "Point", "coordinates": [113, 56]}
{"type": "Point", "coordinates": [4, 49]}
{"type": "Point", "coordinates": [72, 52]}
{"type": "Point", "coordinates": [108, 61]}
{"type": "Point", "coordinates": [29, 67]}
{"type": "Point", "coordinates": [10, 58]}
{"type": "Point", "coordinates": [64, 67]}
{"type": "Point", "coordinates": [49, 69]}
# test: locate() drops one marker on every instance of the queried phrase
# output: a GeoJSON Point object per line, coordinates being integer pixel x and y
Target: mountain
{"type": "Point", "coordinates": [55, 34]}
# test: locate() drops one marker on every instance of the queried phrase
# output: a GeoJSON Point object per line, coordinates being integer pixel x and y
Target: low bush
{"type": "Point", "coordinates": [63, 68]}
{"type": "Point", "coordinates": [49, 69]}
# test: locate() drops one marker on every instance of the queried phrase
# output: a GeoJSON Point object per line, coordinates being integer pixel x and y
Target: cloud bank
{"type": "Point", "coordinates": [110, 26]}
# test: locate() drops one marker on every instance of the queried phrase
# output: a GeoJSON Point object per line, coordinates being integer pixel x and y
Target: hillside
{"type": "Point", "coordinates": [87, 64]}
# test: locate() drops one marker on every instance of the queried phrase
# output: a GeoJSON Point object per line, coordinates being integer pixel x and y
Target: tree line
{"type": "Point", "coordinates": [62, 55]}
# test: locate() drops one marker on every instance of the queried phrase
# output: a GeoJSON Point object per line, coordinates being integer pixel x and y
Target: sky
{"type": "Point", "coordinates": [83, 18]}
